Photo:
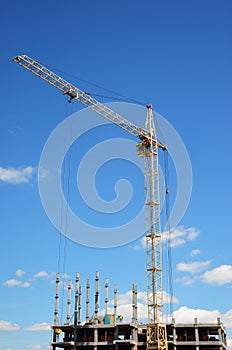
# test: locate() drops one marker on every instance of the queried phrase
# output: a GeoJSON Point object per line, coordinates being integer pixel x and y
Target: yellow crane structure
{"type": "Point", "coordinates": [148, 149]}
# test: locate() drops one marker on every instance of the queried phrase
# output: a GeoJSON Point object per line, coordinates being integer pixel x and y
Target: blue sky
{"type": "Point", "coordinates": [173, 54]}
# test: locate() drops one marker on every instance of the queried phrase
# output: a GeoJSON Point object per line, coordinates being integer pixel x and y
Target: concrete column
{"type": "Point", "coordinates": [96, 296]}
{"type": "Point", "coordinates": [115, 303]}
{"type": "Point", "coordinates": [56, 300]}
{"type": "Point", "coordinates": [196, 334]}
{"type": "Point", "coordinates": [133, 303]}
{"type": "Point", "coordinates": [69, 302]}
{"type": "Point", "coordinates": [95, 337]}
{"type": "Point", "coordinates": [136, 305]}
{"type": "Point", "coordinates": [106, 296]}
{"type": "Point", "coordinates": [87, 301]}
{"type": "Point", "coordinates": [174, 334]}
{"type": "Point", "coordinates": [79, 305]}
{"type": "Point", "coordinates": [76, 298]}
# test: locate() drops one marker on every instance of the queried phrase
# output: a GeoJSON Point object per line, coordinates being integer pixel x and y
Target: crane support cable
{"type": "Point", "coordinates": [75, 93]}
{"type": "Point", "coordinates": [120, 97]}
{"type": "Point", "coordinates": [168, 230]}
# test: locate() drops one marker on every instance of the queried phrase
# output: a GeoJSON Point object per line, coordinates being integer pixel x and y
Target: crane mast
{"type": "Point", "coordinates": [156, 329]}
{"type": "Point", "coordinates": [148, 149]}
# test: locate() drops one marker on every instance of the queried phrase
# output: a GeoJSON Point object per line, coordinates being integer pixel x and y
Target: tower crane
{"type": "Point", "coordinates": [148, 149]}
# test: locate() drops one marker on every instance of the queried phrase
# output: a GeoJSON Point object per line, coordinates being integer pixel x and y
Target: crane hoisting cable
{"type": "Point", "coordinates": [148, 149]}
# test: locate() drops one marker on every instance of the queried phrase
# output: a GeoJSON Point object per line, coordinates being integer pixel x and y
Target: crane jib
{"type": "Point", "coordinates": [75, 93]}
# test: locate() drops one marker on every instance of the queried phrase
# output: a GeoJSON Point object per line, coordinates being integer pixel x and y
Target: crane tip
{"type": "Point", "coordinates": [16, 59]}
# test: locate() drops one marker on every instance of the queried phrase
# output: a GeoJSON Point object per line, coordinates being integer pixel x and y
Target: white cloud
{"type": "Point", "coordinates": [185, 281]}
{"type": "Point", "coordinates": [138, 246]}
{"type": "Point", "coordinates": [41, 274]}
{"type": "Point", "coordinates": [8, 349]}
{"type": "Point", "coordinates": [16, 175]}
{"type": "Point", "coordinates": [167, 298]}
{"type": "Point", "coordinates": [227, 318]}
{"type": "Point", "coordinates": [142, 243]}
{"type": "Point", "coordinates": [8, 326]}
{"type": "Point", "coordinates": [142, 296]}
{"type": "Point", "coordinates": [34, 347]}
{"type": "Point", "coordinates": [38, 327]}
{"type": "Point", "coordinates": [124, 304]}
{"type": "Point", "coordinates": [187, 315]}
{"type": "Point", "coordinates": [180, 235]}
{"type": "Point", "coordinates": [19, 273]}
{"type": "Point", "coordinates": [177, 237]}
{"type": "Point", "coordinates": [195, 252]}
{"type": "Point", "coordinates": [220, 275]}
{"type": "Point", "coordinates": [13, 282]}
{"type": "Point", "coordinates": [25, 285]}
{"type": "Point", "coordinates": [193, 267]}
{"type": "Point", "coordinates": [124, 298]}
{"type": "Point", "coordinates": [229, 344]}
{"type": "Point", "coordinates": [126, 311]}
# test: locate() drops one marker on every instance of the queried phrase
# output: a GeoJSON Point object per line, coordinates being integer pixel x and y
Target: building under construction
{"type": "Point", "coordinates": [109, 331]}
